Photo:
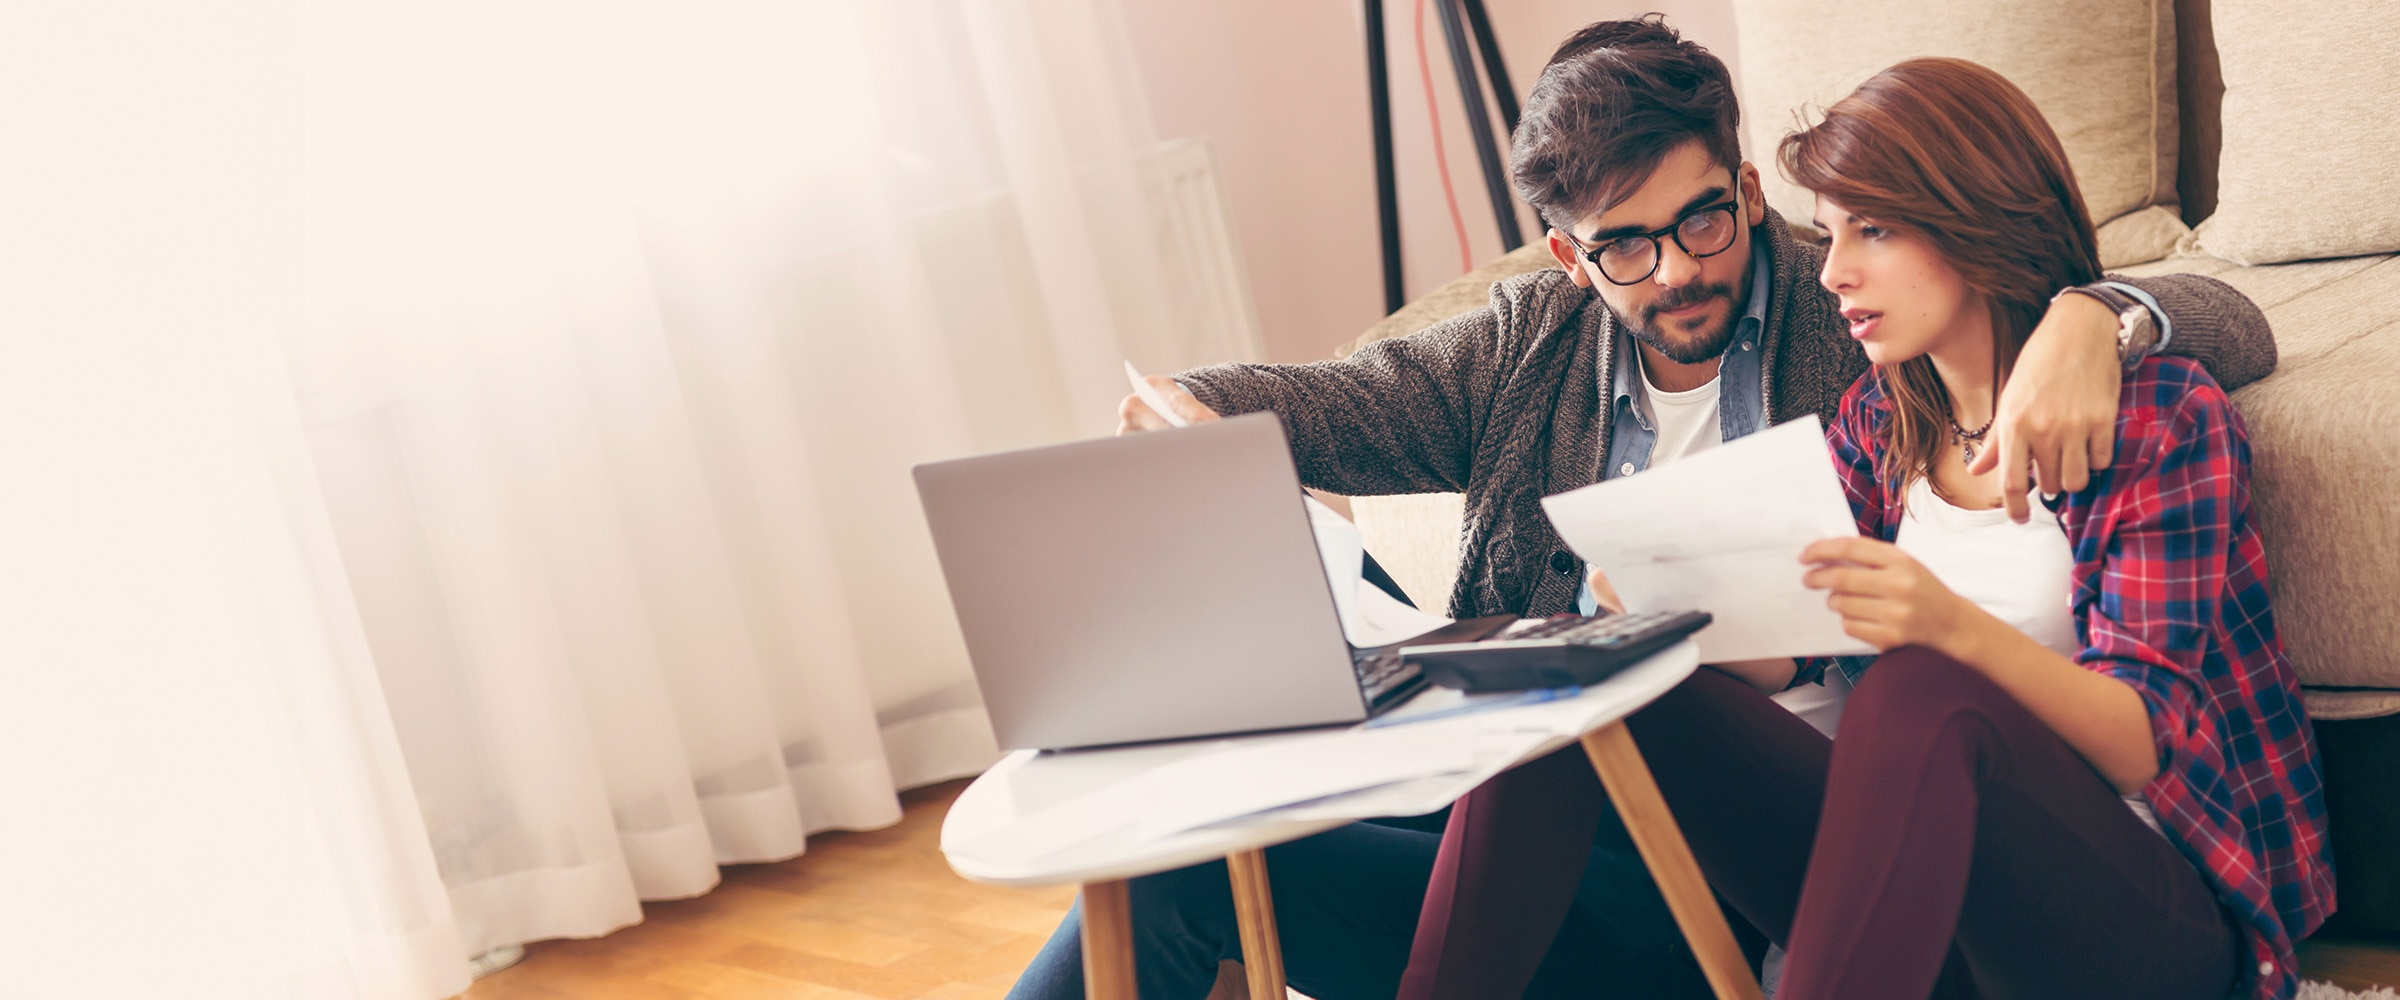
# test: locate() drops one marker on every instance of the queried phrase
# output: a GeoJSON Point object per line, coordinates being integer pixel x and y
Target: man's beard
{"type": "Point", "coordinates": [1684, 349]}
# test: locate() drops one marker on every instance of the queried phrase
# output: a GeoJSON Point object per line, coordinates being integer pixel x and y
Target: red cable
{"type": "Point", "coordinates": [1441, 156]}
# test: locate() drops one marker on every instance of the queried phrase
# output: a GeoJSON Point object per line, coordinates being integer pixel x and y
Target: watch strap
{"type": "Point", "coordinates": [2137, 332]}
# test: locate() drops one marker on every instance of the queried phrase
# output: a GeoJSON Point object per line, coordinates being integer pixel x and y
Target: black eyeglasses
{"type": "Point", "coordinates": [1701, 232]}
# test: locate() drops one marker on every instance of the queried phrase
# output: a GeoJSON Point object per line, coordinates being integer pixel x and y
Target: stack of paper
{"type": "Point", "coordinates": [1249, 780]}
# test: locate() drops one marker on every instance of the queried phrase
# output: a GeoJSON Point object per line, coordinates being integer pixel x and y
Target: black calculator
{"type": "Point", "coordinates": [1561, 651]}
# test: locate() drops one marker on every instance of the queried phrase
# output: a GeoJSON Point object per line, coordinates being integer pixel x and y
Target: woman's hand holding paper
{"type": "Point", "coordinates": [1885, 596]}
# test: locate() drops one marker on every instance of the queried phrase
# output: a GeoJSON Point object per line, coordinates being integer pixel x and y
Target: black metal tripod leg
{"type": "Point", "coordinates": [1387, 192]}
{"type": "Point", "coordinates": [1479, 121]}
{"type": "Point", "coordinates": [1494, 65]}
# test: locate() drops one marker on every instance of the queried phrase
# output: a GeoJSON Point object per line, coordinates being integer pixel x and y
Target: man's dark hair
{"type": "Point", "coordinates": [1615, 98]}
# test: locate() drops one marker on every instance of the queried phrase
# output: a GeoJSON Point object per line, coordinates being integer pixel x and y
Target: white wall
{"type": "Point", "coordinates": [1281, 87]}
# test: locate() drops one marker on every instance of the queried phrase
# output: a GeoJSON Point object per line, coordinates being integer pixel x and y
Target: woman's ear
{"type": "Point", "coordinates": [1570, 258]}
{"type": "Point", "coordinates": [1754, 196]}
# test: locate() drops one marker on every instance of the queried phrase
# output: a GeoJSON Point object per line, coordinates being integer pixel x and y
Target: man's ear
{"type": "Point", "coordinates": [1754, 196]}
{"type": "Point", "coordinates": [1570, 258]}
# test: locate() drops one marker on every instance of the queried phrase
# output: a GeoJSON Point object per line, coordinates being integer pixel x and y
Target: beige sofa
{"type": "Point", "coordinates": [2168, 127]}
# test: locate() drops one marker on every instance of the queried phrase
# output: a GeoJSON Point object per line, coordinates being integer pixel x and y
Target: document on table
{"type": "Point", "coordinates": [1242, 781]}
{"type": "Point", "coordinates": [1721, 532]}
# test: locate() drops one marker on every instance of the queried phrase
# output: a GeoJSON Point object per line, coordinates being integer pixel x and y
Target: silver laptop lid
{"type": "Point", "coordinates": [1147, 587]}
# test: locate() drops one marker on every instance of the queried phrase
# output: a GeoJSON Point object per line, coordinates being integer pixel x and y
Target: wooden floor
{"type": "Point", "coordinates": [881, 915]}
{"type": "Point", "coordinates": [2352, 964]}
{"type": "Point", "coordinates": [860, 915]}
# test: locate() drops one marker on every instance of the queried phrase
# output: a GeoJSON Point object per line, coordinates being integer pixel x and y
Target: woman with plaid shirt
{"type": "Point", "coordinates": [2080, 767]}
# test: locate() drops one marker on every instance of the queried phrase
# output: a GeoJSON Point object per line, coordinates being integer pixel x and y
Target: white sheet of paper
{"type": "Point", "coordinates": [1721, 532]}
{"type": "Point", "coordinates": [1218, 786]}
{"type": "Point", "coordinates": [1150, 396]}
{"type": "Point", "coordinates": [1343, 549]}
{"type": "Point", "coordinates": [1406, 797]}
{"type": "Point", "coordinates": [1382, 620]}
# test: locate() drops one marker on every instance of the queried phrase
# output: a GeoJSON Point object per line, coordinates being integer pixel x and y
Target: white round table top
{"type": "Point", "coordinates": [1045, 818]}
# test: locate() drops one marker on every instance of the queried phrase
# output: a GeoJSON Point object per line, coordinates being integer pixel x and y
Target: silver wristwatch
{"type": "Point", "coordinates": [2137, 330]}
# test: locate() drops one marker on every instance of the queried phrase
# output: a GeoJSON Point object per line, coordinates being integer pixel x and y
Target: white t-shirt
{"type": "Point", "coordinates": [1687, 421]}
{"type": "Point", "coordinates": [2022, 574]}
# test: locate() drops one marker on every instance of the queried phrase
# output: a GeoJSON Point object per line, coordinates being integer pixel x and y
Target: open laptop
{"type": "Point", "coordinates": [1150, 587]}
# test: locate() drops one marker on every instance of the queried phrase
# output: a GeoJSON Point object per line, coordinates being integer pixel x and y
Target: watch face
{"type": "Point", "coordinates": [2134, 334]}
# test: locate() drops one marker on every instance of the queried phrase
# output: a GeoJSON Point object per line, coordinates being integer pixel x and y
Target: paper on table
{"type": "Point", "coordinates": [1721, 532]}
{"type": "Point", "coordinates": [1369, 616]}
{"type": "Point", "coordinates": [1381, 620]}
{"type": "Point", "coordinates": [1412, 796]}
{"type": "Point", "coordinates": [1222, 785]}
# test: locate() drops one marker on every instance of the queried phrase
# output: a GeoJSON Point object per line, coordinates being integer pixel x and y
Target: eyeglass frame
{"type": "Point", "coordinates": [1732, 207]}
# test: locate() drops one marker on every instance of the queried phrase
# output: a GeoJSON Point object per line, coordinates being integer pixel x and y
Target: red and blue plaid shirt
{"type": "Point", "coordinates": [2170, 597]}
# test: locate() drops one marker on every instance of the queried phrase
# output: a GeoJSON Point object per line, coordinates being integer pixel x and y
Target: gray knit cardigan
{"type": "Point", "coordinates": [1507, 404]}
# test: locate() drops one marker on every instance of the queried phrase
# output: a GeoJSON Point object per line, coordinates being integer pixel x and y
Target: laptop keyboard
{"type": "Point", "coordinates": [1385, 674]}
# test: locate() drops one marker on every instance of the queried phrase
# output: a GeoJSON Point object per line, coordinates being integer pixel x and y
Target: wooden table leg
{"type": "Point", "coordinates": [1254, 910]}
{"type": "Point", "coordinates": [1670, 859]}
{"type": "Point", "coordinates": [1108, 942]}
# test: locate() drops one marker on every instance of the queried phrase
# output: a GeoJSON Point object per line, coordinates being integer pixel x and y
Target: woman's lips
{"type": "Point", "coordinates": [1862, 322]}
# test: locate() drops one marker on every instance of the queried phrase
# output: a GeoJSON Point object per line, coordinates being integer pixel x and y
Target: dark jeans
{"type": "Point", "coordinates": [1346, 905]}
{"type": "Point", "coordinates": [1964, 849]}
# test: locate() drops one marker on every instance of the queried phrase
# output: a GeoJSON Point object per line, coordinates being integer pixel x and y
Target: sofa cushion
{"type": "Point", "coordinates": [2141, 236]}
{"type": "Point", "coordinates": [2316, 307]}
{"type": "Point", "coordinates": [1415, 538]}
{"type": "Point", "coordinates": [2102, 71]}
{"type": "Point", "coordinates": [2310, 127]}
{"type": "Point", "coordinates": [1465, 293]}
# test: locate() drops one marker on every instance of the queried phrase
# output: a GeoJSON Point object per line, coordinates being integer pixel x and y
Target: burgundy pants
{"type": "Point", "coordinates": [1964, 851]}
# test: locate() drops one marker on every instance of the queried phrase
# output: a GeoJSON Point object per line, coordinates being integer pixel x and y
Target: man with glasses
{"type": "Point", "coordinates": [1684, 314]}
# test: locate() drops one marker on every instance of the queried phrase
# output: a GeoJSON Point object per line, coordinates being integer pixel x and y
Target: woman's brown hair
{"type": "Point", "coordinates": [1952, 152]}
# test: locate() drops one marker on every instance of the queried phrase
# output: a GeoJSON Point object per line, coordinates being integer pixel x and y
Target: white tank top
{"type": "Point", "coordinates": [2022, 574]}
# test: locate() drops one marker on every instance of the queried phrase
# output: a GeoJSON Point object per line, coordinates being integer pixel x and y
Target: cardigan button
{"type": "Point", "coordinates": [1562, 562]}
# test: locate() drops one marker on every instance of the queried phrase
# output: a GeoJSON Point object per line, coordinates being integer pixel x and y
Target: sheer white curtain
{"type": "Point", "coordinates": [568, 539]}
{"type": "Point", "coordinates": [204, 793]}
{"type": "Point", "coordinates": [625, 324]}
